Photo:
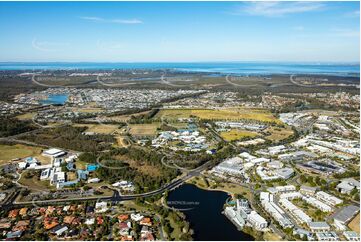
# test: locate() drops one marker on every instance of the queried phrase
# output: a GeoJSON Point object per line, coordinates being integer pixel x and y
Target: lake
{"type": "Point", "coordinates": [203, 209]}
{"type": "Point", "coordinates": [55, 99]}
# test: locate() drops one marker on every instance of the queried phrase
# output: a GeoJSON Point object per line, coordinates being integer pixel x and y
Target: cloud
{"type": "Point", "coordinates": [110, 45]}
{"type": "Point", "coordinates": [277, 9]}
{"type": "Point", "coordinates": [353, 14]}
{"type": "Point", "coordinates": [299, 28]}
{"type": "Point", "coordinates": [345, 32]}
{"type": "Point", "coordinates": [47, 46]}
{"type": "Point", "coordinates": [114, 21]}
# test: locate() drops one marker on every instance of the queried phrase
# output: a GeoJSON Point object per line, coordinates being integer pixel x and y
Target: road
{"type": "Point", "coordinates": [117, 197]}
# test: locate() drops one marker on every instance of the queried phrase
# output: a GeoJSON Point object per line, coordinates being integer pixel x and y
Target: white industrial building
{"type": "Point", "coordinates": [53, 152]}
{"type": "Point", "coordinates": [230, 166]}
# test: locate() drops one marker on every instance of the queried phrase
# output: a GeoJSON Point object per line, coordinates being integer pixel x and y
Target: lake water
{"type": "Point", "coordinates": [244, 68]}
{"type": "Point", "coordinates": [203, 209]}
{"type": "Point", "coordinates": [55, 99]}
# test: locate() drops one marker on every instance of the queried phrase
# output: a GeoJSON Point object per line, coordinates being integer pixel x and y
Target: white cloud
{"type": "Point", "coordinates": [114, 21]}
{"type": "Point", "coordinates": [299, 28]}
{"type": "Point", "coordinates": [277, 9]}
{"type": "Point", "coordinates": [47, 46]}
{"type": "Point", "coordinates": [354, 14]}
{"type": "Point", "coordinates": [345, 32]}
{"type": "Point", "coordinates": [110, 45]}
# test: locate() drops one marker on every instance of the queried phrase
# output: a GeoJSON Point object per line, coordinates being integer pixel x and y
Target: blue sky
{"type": "Point", "coordinates": [180, 31]}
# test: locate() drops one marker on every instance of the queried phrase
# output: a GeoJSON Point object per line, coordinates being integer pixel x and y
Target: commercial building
{"type": "Point", "coordinates": [306, 190]}
{"type": "Point", "coordinates": [328, 199]}
{"type": "Point", "coordinates": [257, 221]}
{"type": "Point", "coordinates": [295, 211]}
{"type": "Point", "coordinates": [319, 226]}
{"type": "Point", "coordinates": [327, 236]}
{"type": "Point", "coordinates": [351, 235]}
{"type": "Point", "coordinates": [317, 204]}
{"type": "Point", "coordinates": [275, 211]}
{"type": "Point", "coordinates": [347, 185]}
{"type": "Point", "coordinates": [346, 214]}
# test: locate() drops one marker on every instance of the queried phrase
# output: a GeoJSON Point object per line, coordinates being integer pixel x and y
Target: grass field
{"type": "Point", "coordinates": [143, 168]}
{"type": "Point", "coordinates": [355, 224]}
{"type": "Point", "coordinates": [122, 141]}
{"type": "Point", "coordinates": [99, 128]}
{"type": "Point", "coordinates": [88, 110]}
{"type": "Point", "coordinates": [9, 152]}
{"type": "Point", "coordinates": [219, 114]}
{"type": "Point", "coordinates": [236, 134]}
{"type": "Point", "coordinates": [278, 134]}
{"type": "Point", "coordinates": [144, 129]}
{"type": "Point", "coordinates": [25, 116]}
{"type": "Point", "coordinates": [70, 176]}
{"type": "Point", "coordinates": [268, 236]}
{"type": "Point", "coordinates": [125, 117]}
{"type": "Point", "coordinates": [34, 183]}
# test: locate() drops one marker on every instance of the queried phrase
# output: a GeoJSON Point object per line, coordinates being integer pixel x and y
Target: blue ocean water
{"type": "Point", "coordinates": [56, 99]}
{"type": "Point", "coordinates": [242, 68]}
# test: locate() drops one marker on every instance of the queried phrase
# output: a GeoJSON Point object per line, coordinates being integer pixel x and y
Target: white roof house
{"type": "Point", "coordinates": [101, 207]}
{"type": "Point", "coordinates": [136, 217]}
{"type": "Point", "coordinates": [61, 230]}
{"type": "Point", "coordinates": [89, 221]}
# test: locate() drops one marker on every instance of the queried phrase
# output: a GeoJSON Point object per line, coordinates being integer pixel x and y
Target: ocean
{"type": "Point", "coordinates": [241, 68]}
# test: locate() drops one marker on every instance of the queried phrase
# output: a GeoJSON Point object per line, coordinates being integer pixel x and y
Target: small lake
{"type": "Point", "coordinates": [55, 99]}
{"type": "Point", "coordinates": [203, 209]}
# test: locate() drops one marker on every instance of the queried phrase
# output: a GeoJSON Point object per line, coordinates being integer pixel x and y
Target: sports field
{"type": "Point", "coordinates": [219, 114]}
{"type": "Point", "coordinates": [236, 134]}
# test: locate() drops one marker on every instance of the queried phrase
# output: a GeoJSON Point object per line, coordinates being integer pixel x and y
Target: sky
{"type": "Point", "coordinates": [179, 31]}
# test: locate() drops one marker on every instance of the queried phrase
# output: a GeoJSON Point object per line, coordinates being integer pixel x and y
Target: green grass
{"type": "Point", "coordinates": [9, 152]}
{"type": "Point", "coordinates": [237, 134]}
{"type": "Point", "coordinates": [262, 115]}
